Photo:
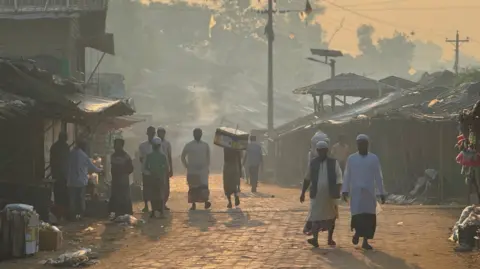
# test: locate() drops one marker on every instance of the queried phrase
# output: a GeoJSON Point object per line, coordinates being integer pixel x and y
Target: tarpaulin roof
{"type": "Point", "coordinates": [57, 96]}
{"type": "Point", "coordinates": [395, 81]}
{"type": "Point", "coordinates": [120, 122]}
{"type": "Point", "coordinates": [347, 84]}
{"type": "Point", "coordinates": [12, 105]}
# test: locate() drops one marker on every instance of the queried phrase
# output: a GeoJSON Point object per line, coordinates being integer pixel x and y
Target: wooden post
{"type": "Point", "coordinates": [332, 101]}
{"type": "Point", "coordinates": [440, 170]}
{"type": "Point", "coordinates": [315, 104]}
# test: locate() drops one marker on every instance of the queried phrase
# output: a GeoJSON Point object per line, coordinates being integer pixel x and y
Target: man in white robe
{"type": "Point", "coordinates": [363, 174]}
{"type": "Point", "coordinates": [324, 178]}
{"type": "Point", "coordinates": [196, 159]}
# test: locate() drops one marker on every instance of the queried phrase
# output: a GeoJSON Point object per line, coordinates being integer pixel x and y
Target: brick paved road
{"type": "Point", "coordinates": [265, 232]}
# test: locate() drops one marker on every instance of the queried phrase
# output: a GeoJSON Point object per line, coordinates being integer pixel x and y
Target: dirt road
{"type": "Point", "coordinates": [265, 232]}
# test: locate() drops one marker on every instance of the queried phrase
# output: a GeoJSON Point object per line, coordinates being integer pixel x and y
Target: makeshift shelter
{"type": "Point", "coordinates": [399, 82]}
{"type": "Point", "coordinates": [344, 85]}
{"type": "Point", "coordinates": [405, 144]}
{"type": "Point", "coordinates": [54, 105]}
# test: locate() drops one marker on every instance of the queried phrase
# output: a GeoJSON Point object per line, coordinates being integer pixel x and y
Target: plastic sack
{"type": "Point", "coordinates": [19, 207]}
{"type": "Point", "coordinates": [82, 257]}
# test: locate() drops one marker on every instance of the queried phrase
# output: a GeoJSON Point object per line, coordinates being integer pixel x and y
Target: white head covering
{"type": "Point", "coordinates": [157, 141]}
{"type": "Point", "coordinates": [317, 137]}
{"type": "Point", "coordinates": [322, 145]}
{"type": "Point", "coordinates": [363, 137]}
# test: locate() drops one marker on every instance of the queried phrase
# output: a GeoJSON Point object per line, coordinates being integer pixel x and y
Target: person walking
{"type": "Point", "coordinates": [324, 178]}
{"type": "Point", "coordinates": [363, 174]}
{"type": "Point", "coordinates": [341, 151]}
{"type": "Point", "coordinates": [253, 161]}
{"type": "Point", "coordinates": [79, 165]}
{"type": "Point", "coordinates": [232, 172]}
{"type": "Point", "coordinates": [144, 149]}
{"type": "Point", "coordinates": [196, 159]}
{"type": "Point", "coordinates": [167, 149]}
{"type": "Point", "coordinates": [157, 166]}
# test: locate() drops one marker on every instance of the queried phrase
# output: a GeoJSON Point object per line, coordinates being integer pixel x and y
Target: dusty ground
{"type": "Point", "coordinates": [265, 232]}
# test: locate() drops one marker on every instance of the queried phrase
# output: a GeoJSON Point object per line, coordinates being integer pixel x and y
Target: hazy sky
{"type": "Point", "coordinates": [429, 19]}
{"type": "Point", "coordinates": [432, 20]}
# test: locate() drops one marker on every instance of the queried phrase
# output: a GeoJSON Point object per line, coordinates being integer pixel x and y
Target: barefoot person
{"type": "Point", "coordinates": [232, 171]}
{"type": "Point", "coordinates": [363, 174]}
{"type": "Point", "coordinates": [196, 159]}
{"type": "Point", "coordinates": [157, 166]}
{"type": "Point", "coordinates": [324, 179]}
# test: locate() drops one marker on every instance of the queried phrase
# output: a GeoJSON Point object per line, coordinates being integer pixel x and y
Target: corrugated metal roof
{"type": "Point", "coordinates": [347, 84]}
{"type": "Point", "coordinates": [96, 104]}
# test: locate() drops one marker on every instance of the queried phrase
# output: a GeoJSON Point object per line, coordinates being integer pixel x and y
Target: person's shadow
{"type": "Point", "coordinates": [340, 259]}
{"type": "Point", "coordinates": [201, 219]}
{"type": "Point", "coordinates": [156, 228]}
{"type": "Point", "coordinates": [239, 219]}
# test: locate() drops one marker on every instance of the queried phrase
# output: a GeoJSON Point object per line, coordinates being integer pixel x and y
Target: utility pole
{"type": "Point", "coordinates": [457, 42]}
{"type": "Point", "coordinates": [270, 36]}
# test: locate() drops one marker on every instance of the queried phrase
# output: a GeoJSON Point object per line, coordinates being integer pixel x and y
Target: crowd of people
{"type": "Point", "coordinates": [70, 170]}
{"type": "Point", "coordinates": [357, 179]}
{"type": "Point", "coordinates": [332, 175]}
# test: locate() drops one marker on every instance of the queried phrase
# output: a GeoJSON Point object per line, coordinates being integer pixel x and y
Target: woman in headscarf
{"type": "Point", "coordinates": [232, 172]}
{"type": "Point", "coordinates": [121, 164]}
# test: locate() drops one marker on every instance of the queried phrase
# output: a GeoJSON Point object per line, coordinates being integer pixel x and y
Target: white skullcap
{"type": "Point", "coordinates": [157, 141]}
{"type": "Point", "coordinates": [319, 136]}
{"type": "Point", "coordinates": [322, 145]}
{"type": "Point", "coordinates": [362, 137]}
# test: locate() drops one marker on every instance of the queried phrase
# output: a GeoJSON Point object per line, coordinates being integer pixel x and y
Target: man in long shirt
{"type": "Point", "coordinates": [363, 174]}
{"type": "Point", "coordinates": [324, 178]}
{"type": "Point", "coordinates": [167, 148]}
{"type": "Point", "coordinates": [144, 149]}
{"type": "Point", "coordinates": [196, 158]}
{"type": "Point", "coordinates": [341, 151]}
{"type": "Point", "coordinates": [59, 166]}
{"type": "Point", "coordinates": [78, 168]}
{"type": "Point", "coordinates": [253, 161]}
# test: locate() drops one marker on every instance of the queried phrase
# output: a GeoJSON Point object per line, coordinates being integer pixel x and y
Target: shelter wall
{"type": "Point", "coordinates": [406, 147]}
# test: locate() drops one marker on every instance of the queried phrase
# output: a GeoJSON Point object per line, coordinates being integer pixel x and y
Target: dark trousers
{"type": "Point", "coordinates": [167, 190]}
{"type": "Point", "coordinates": [77, 200]}
{"type": "Point", "coordinates": [253, 172]}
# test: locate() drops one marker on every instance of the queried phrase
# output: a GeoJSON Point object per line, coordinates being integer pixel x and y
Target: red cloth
{"type": "Point", "coordinates": [468, 161]}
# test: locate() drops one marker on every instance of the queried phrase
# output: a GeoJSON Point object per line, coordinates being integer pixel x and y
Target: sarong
{"type": "Point", "coordinates": [197, 192]}
{"type": "Point", "coordinates": [120, 200]}
{"type": "Point", "coordinates": [312, 227]}
{"type": "Point", "coordinates": [157, 194]}
{"type": "Point", "coordinates": [364, 225]}
{"type": "Point", "coordinates": [147, 187]}
{"type": "Point", "coordinates": [231, 178]}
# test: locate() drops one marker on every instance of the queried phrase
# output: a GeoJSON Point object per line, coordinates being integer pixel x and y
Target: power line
{"type": "Point", "coordinates": [418, 8]}
{"type": "Point", "coordinates": [374, 3]}
{"type": "Point", "coordinates": [412, 30]}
